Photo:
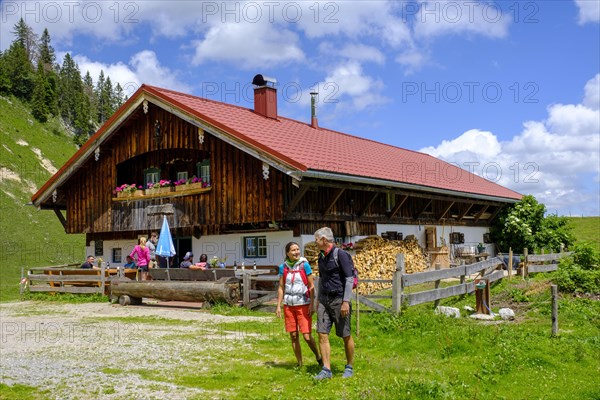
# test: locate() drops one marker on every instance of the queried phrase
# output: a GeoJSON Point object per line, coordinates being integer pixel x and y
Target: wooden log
{"type": "Point", "coordinates": [225, 289]}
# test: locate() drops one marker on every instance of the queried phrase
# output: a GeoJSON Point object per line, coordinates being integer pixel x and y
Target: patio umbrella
{"type": "Point", "coordinates": [165, 247]}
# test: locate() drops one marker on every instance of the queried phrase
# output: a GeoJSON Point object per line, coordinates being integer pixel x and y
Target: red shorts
{"type": "Point", "coordinates": [297, 318]}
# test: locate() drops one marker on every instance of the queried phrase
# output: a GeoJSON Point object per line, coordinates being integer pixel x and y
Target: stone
{"type": "Point", "coordinates": [448, 311]}
{"type": "Point", "coordinates": [506, 314]}
{"type": "Point", "coordinates": [482, 317]}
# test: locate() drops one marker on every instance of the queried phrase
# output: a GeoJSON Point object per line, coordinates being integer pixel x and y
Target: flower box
{"type": "Point", "coordinates": [136, 193]}
{"type": "Point", "coordinates": [188, 186]}
{"type": "Point", "coordinates": [159, 190]}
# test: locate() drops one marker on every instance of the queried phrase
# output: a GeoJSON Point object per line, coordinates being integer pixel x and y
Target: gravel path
{"type": "Point", "coordinates": [84, 351]}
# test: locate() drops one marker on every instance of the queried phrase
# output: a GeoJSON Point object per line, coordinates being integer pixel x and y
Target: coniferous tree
{"type": "Point", "coordinates": [88, 90]}
{"type": "Point", "coordinates": [70, 89]}
{"type": "Point", "coordinates": [119, 97]}
{"type": "Point", "coordinates": [27, 39]}
{"type": "Point", "coordinates": [5, 85]}
{"type": "Point", "coordinates": [47, 60]}
{"type": "Point", "coordinates": [19, 71]}
{"type": "Point", "coordinates": [42, 96]}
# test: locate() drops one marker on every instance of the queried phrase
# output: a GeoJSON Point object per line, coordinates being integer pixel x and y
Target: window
{"type": "Point", "coordinates": [182, 175]}
{"type": "Point", "coordinates": [255, 247]}
{"type": "Point", "coordinates": [151, 175]}
{"type": "Point", "coordinates": [116, 255]}
{"type": "Point", "coordinates": [98, 248]}
{"type": "Point", "coordinates": [203, 170]}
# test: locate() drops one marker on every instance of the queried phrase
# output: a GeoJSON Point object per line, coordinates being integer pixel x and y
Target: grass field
{"type": "Point", "coordinates": [417, 355]}
{"type": "Point", "coordinates": [587, 229]}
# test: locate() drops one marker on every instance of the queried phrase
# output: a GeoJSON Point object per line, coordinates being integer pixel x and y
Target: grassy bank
{"type": "Point", "coordinates": [417, 355]}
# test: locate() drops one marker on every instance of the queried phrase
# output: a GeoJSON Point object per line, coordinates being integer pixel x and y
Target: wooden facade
{"type": "Point", "coordinates": [240, 198]}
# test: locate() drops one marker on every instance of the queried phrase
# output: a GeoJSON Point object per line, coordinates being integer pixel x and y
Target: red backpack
{"type": "Point", "coordinates": [286, 269]}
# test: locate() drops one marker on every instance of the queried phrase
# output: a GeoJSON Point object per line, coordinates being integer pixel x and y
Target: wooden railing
{"type": "Point", "coordinates": [66, 279]}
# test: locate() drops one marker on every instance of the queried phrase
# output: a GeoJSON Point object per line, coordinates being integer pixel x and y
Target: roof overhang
{"type": "Point", "coordinates": [399, 185]}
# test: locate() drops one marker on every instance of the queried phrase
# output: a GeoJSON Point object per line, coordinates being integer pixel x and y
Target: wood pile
{"type": "Point", "coordinates": [376, 259]}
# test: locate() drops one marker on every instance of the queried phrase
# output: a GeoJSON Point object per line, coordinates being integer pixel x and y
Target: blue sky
{"type": "Point", "coordinates": [508, 90]}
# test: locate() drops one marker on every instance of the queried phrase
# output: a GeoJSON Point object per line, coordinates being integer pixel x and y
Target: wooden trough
{"type": "Point", "coordinates": [131, 292]}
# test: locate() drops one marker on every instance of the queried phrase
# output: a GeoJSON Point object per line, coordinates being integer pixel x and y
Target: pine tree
{"type": "Point", "coordinates": [42, 95]}
{"type": "Point", "coordinates": [19, 72]}
{"type": "Point", "coordinates": [88, 90]}
{"type": "Point", "coordinates": [5, 85]}
{"type": "Point", "coordinates": [47, 60]}
{"type": "Point", "coordinates": [27, 39]}
{"type": "Point", "coordinates": [70, 90]}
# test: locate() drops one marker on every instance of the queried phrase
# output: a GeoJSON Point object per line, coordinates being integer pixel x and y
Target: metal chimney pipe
{"type": "Point", "coordinates": [313, 110]}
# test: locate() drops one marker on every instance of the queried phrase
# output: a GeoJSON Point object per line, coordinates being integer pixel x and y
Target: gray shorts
{"type": "Point", "coordinates": [328, 313]}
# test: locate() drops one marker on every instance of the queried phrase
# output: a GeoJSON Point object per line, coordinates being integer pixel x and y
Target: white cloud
{"type": "Point", "coordinates": [353, 51]}
{"type": "Point", "coordinates": [591, 98]}
{"type": "Point", "coordinates": [248, 45]}
{"type": "Point", "coordinates": [589, 11]}
{"type": "Point", "coordinates": [143, 67]}
{"type": "Point", "coordinates": [349, 80]}
{"type": "Point", "coordinates": [443, 17]}
{"type": "Point", "coordinates": [557, 160]}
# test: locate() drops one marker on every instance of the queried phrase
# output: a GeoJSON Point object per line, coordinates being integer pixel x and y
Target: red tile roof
{"type": "Point", "coordinates": [326, 150]}
{"type": "Point", "coordinates": [306, 149]}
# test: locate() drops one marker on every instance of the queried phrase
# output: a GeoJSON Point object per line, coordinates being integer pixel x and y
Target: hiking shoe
{"type": "Point", "coordinates": [324, 374]}
{"type": "Point", "coordinates": [348, 372]}
{"type": "Point", "coordinates": [320, 361]}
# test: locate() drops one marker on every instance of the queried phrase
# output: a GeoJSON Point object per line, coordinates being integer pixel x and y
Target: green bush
{"type": "Point", "coordinates": [581, 272]}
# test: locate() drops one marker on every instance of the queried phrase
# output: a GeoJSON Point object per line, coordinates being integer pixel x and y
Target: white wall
{"type": "Point", "coordinates": [231, 246]}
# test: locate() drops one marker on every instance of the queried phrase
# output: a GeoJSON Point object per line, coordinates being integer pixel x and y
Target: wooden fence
{"type": "Point", "coordinates": [66, 279]}
{"type": "Point", "coordinates": [487, 269]}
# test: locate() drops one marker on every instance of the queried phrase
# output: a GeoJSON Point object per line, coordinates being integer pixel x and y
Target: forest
{"type": "Point", "coordinates": [29, 71]}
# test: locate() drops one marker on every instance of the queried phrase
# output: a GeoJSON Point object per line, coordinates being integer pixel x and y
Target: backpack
{"type": "Point", "coordinates": [336, 250]}
{"type": "Point", "coordinates": [302, 275]}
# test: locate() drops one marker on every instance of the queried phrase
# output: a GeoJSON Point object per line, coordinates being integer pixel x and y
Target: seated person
{"type": "Point", "coordinates": [187, 260]}
{"type": "Point", "coordinates": [89, 263]}
{"type": "Point", "coordinates": [203, 264]}
{"type": "Point", "coordinates": [130, 263]}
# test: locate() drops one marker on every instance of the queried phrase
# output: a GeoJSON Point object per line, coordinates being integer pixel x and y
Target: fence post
{"type": "Point", "coordinates": [523, 270]}
{"type": "Point", "coordinates": [102, 277]}
{"type": "Point", "coordinates": [246, 285]}
{"type": "Point", "coordinates": [554, 290]}
{"type": "Point", "coordinates": [22, 285]}
{"type": "Point", "coordinates": [397, 284]}
{"type": "Point", "coordinates": [510, 263]}
{"type": "Point", "coordinates": [437, 286]}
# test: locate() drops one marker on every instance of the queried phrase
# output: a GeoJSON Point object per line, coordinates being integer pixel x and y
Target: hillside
{"type": "Point", "coordinates": [30, 153]}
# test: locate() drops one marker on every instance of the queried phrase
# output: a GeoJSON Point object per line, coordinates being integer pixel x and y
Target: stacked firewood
{"type": "Point", "coordinates": [376, 259]}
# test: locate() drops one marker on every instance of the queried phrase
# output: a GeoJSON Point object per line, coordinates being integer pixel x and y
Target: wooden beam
{"type": "Point", "coordinates": [398, 206]}
{"type": "Point", "coordinates": [366, 207]}
{"type": "Point", "coordinates": [480, 213]}
{"type": "Point", "coordinates": [382, 189]}
{"type": "Point", "coordinates": [417, 214]}
{"type": "Point", "coordinates": [61, 218]}
{"type": "Point", "coordinates": [495, 213]}
{"type": "Point", "coordinates": [446, 210]}
{"type": "Point", "coordinates": [333, 201]}
{"type": "Point", "coordinates": [297, 197]}
{"type": "Point", "coordinates": [462, 215]}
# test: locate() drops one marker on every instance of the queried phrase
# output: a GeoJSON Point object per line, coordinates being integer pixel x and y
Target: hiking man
{"type": "Point", "coordinates": [336, 278]}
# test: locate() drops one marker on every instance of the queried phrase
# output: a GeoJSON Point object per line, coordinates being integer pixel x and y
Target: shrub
{"type": "Point", "coordinates": [581, 272]}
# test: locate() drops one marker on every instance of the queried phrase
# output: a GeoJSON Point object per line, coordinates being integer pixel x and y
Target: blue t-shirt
{"type": "Point", "coordinates": [307, 269]}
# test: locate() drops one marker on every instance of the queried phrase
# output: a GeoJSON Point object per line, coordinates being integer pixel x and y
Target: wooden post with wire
{"type": "Point", "coordinates": [554, 290]}
{"type": "Point", "coordinates": [397, 284]}
{"type": "Point", "coordinates": [437, 285]}
{"type": "Point", "coordinates": [510, 263]}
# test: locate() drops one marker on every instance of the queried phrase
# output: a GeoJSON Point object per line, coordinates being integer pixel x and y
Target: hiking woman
{"type": "Point", "coordinates": [297, 293]}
